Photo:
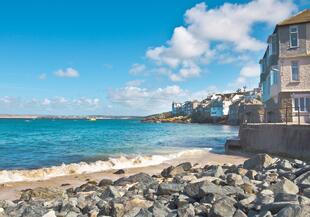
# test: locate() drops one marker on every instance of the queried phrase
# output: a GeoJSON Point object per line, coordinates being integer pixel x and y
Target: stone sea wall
{"type": "Point", "coordinates": [280, 139]}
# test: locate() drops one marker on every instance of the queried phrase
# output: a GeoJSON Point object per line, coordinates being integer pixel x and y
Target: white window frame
{"type": "Point", "coordinates": [297, 35]}
{"type": "Point", "coordinates": [299, 97]}
{"type": "Point", "coordinates": [295, 63]}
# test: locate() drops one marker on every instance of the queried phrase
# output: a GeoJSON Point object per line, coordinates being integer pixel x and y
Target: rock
{"type": "Point", "coordinates": [223, 208]}
{"type": "Point", "coordinates": [248, 188]}
{"type": "Point", "coordinates": [234, 179]}
{"type": "Point", "coordinates": [138, 202]}
{"type": "Point", "coordinates": [242, 172]}
{"type": "Point", "coordinates": [111, 192]}
{"type": "Point", "coordinates": [118, 210]}
{"type": "Point", "coordinates": [277, 206]}
{"type": "Point", "coordinates": [265, 214]}
{"type": "Point", "coordinates": [258, 162]}
{"type": "Point", "coordinates": [144, 213]}
{"type": "Point", "coordinates": [186, 166]}
{"type": "Point", "coordinates": [118, 172]}
{"type": "Point", "coordinates": [42, 193]}
{"type": "Point", "coordinates": [165, 188]}
{"type": "Point", "coordinates": [186, 211]}
{"type": "Point", "coordinates": [245, 202]}
{"type": "Point", "coordinates": [159, 210]}
{"type": "Point", "coordinates": [172, 171]}
{"type": "Point", "coordinates": [251, 174]}
{"type": "Point", "coordinates": [303, 180]}
{"type": "Point", "coordinates": [304, 200]}
{"type": "Point", "coordinates": [215, 171]}
{"type": "Point", "coordinates": [141, 178]}
{"type": "Point", "coordinates": [284, 165]}
{"type": "Point", "coordinates": [182, 200]}
{"type": "Point", "coordinates": [285, 186]}
{"type": "Point", "coordinates": [306, 192]}
{"type": "Point", "coordinates": [50, 214]}
{"type": "Point", "coordinates": [284, 197]}
{"type": "Point", "coordinates": [239, 213]}
{"type": "Point", "coordinates": [105, 182]}
{"type": "Point", "coordinates": [294, 211]}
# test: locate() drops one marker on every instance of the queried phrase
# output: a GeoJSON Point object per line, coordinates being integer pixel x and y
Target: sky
{"type": "Point", "coordinates": [133, 57]}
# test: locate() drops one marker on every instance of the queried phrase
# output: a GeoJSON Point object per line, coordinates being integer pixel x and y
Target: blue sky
{"type": "Point", "coordinates": [129, 57]}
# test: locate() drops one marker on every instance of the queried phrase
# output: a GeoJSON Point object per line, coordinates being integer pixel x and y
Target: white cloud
{"type": "Point", "coordinates": [230, 24]}
{"type": "Point", "coordinates": [248, 76]}
{"type": "Point", "coordinates": [42, 76]}
{"type": "Point", "coordinates": [139, 100]}
{"type": "Point", "coordinates": [135, 83]}
{"type": "Point", "coordinates": [137, 69]}
{"type": "Point", "coordinates": [68, 72]}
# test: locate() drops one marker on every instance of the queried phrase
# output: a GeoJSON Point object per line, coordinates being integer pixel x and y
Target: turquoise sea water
{"type": "Point", "coordinates": [31, 144]}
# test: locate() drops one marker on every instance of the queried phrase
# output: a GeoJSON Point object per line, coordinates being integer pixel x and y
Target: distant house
{"type": "Point", "coordinates": [176, 108]}
{"type": "Point", "coordinates": [285, 71]}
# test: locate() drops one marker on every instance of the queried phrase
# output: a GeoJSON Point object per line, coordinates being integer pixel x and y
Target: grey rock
{"type": "Point", "coordinates": [186, 166]}
{"type": "Point", "coordinates": [277, 206]}
{"type": "Point", "coordinates": [294, 211]}
{"type": "Point", "coordinates": [118, 172]}
{"type": "Point", "coordinates": [284, 197]}
{"type": "Point", "coordinates": [239, 213]}
{"type": "Point", "coordinates": [170, 188]}
{"type": "Point", "coordinates": [258, 162]}
{"type": "Point", "coordinates": [186, 211]}
{"type": "Point", "coordinates": [111, 192]}
{"type": "Point", "coordinates": [105, 182]}
{"type": "Point", "coordinates": [234, 179]}
{"type": "Point", "coordinates": [223, 208]}
{"type": "Point", "coordinates": [118, 210]}
{"type": "Point", "coordinates": [172, 171]}
{"type": "Point", "coordinates": [159, 210]}
{"type": "Point", "coordinates": [285, 186]}
{"type": "Point", "coordinates": [142, 178]}
{"type": "Point", "coordinates": [303, 180]}
{"type": "Point", "coordinates": [214, 170]}
{"type": "Point", "coordinates": [144, 213]}
{"type": "Point", "coordinates": [265, 214]}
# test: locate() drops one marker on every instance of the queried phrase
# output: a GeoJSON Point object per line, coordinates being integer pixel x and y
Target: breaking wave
{"type": "Point", "coordinates": [122, 162]}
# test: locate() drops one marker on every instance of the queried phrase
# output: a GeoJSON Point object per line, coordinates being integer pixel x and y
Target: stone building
{"type": "Point", "coordinates": [285, 71]}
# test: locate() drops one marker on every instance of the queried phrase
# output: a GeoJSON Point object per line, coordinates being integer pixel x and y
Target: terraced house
{"type": "Point", "coordinates": [285, 71]}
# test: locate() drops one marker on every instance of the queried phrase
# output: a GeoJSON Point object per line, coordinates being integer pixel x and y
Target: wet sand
{"type": "Point", "coordinates": [11, 191]}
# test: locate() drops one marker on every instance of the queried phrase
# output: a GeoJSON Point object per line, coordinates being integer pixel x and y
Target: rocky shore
{"type": "Point", "coordinates": [261, 187]}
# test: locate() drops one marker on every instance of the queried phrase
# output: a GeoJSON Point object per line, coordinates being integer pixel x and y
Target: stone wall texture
{"type": "Point", "coordinates": [283, 140]}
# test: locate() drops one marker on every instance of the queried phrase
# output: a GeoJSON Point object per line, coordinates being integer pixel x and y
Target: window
{"type": "Point", "coordinates": [302, 103]}
{"type": "Point", "coordinates": [295, 71]}
{"type": "Point", "coordinates": [293, 36]}
{"type": "Point", "coordinates": [274, 77]}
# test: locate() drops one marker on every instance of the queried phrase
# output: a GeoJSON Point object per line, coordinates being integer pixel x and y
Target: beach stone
{"type": "Point", "coordinates": [118, 172]}
{"type": "Point", "coordinates": [132, 212]}
{"type": "Point", "coordinates": [239, 213]}
{"type": "Point", "coordinates": [202, 209]}
{"type": "Point", "coordinates": [303, 200]}
{"type": "Point", "coordinates": [234, 179]}
{"type": "Point", "coordinates": [294, 211]}
{"type": "Point", "coordinates": [186, 211]}
{"type": "Point", "coordinates": [306, 192]}
{"type": "Point", "coordinates": [277, 206]}
{"type": "Point", "coordinates": [105, 182]}
{"type": "Point", "coordinates": [285, 186]}
{"type": "Point", "coordinates": [284, 197]}
{"type": "Point", "coordinates": [214, 170]}
{"type": "Point", "coordinates": [258, 162]}
{"type": "Point", "coordinates": [42, 193]}
{"type": "Point", "coordinates": [72, 214]}
{"type": "Point", "coordinates": [245, 202]}
{"type": "Point", "coordinates": [50, 214]}
{"type": "Point", "coordinates": [144, 213]}
{"type": "Point", "coordinates": [284, 165]}
{"type": "Point", "coordinates": [241, 172]}
{"type": "Point", "coordinates": [265, 214]}
{"type": "Point", "coordinates": [223, 208]}
{"type": "Point", "coordinates": [186, 166]}
{"type": "Point", "coordinates": [117, 210]}
{"type": "Point", "coordinates": [170, 188]}
{"type": "Point", "coordinates": [249, 188]}
{"type": "Point", "coordinates": [182, 200]}
{"type": "Point", "coordinates": [251, 174]}
{"type": "Point", "coordinates": [141, 178]}
{"type": "Point", "coordinates": [159, 210]}
{"type": "Point", "coordinates": [137, 202]}
{"type": "Point", "coordinates": [172, 171]}
{"type": "Point", "coordinates": [303, 180]}
{"type": "Point", "coordinates": [111, 192]}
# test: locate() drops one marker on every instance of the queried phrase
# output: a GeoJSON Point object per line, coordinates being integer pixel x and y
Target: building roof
{"type": "Point", "coordinates": [302, 17]}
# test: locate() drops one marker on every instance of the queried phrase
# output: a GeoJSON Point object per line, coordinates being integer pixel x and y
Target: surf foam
{"type": "Point", "coordinates": [122, 162]}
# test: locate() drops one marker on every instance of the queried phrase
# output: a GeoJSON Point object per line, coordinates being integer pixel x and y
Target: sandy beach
{"type": "Point", "coordinates": [11, 191]}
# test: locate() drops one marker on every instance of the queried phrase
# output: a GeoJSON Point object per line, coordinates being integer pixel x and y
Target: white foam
{"type": "Point", "coordinates": [122, 162]}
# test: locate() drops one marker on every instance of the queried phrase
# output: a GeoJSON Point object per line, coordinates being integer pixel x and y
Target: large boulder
{"type": "Point", "coordinates": [187, 211]}
{"type": "Point", "coordinates": [258, 162]}
{"type": "Point", "coordinates": [303, 180]}
{"type": "Point", "coordinates": [172, 171]}
{"type": "Point", "coordinates": [142, 178]}
{"type": "Point", "coordinates": [285, 186]}
{"type": "Point", "coordinates": [224, 207]}
{"type": "Point", "coordinates": [41, 193]}
{"type": "Point", "coordinates": [294, 211]}
{"type": "Point", "coordinates": [169, 188]}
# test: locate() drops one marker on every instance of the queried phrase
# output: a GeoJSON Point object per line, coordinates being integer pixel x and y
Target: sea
{"type": "Point", "coordinates": [36, 149]}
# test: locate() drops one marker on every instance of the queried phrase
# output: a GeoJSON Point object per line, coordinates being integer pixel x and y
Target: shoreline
{"type": "Point", "coordinates": [12, 190]}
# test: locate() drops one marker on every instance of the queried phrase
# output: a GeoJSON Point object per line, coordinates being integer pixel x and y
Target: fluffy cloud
{"type": "Point", "coordinates": [137, 69]}
{"type": "Point", "coordinates": [248, 76]}
{"type": "Point", "coordinates": [68, 72]}
{"type": "Point", "coordinates": [229, 24]}
{"type": "Point", "coordinates": [139, 100]}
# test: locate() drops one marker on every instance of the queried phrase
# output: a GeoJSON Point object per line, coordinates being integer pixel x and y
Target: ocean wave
{"type": "Point", "coordinates": [123, 162]}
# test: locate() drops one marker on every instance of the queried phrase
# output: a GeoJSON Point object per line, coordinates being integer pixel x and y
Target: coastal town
{"type": "Point", "coordinates": [283, 93]}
